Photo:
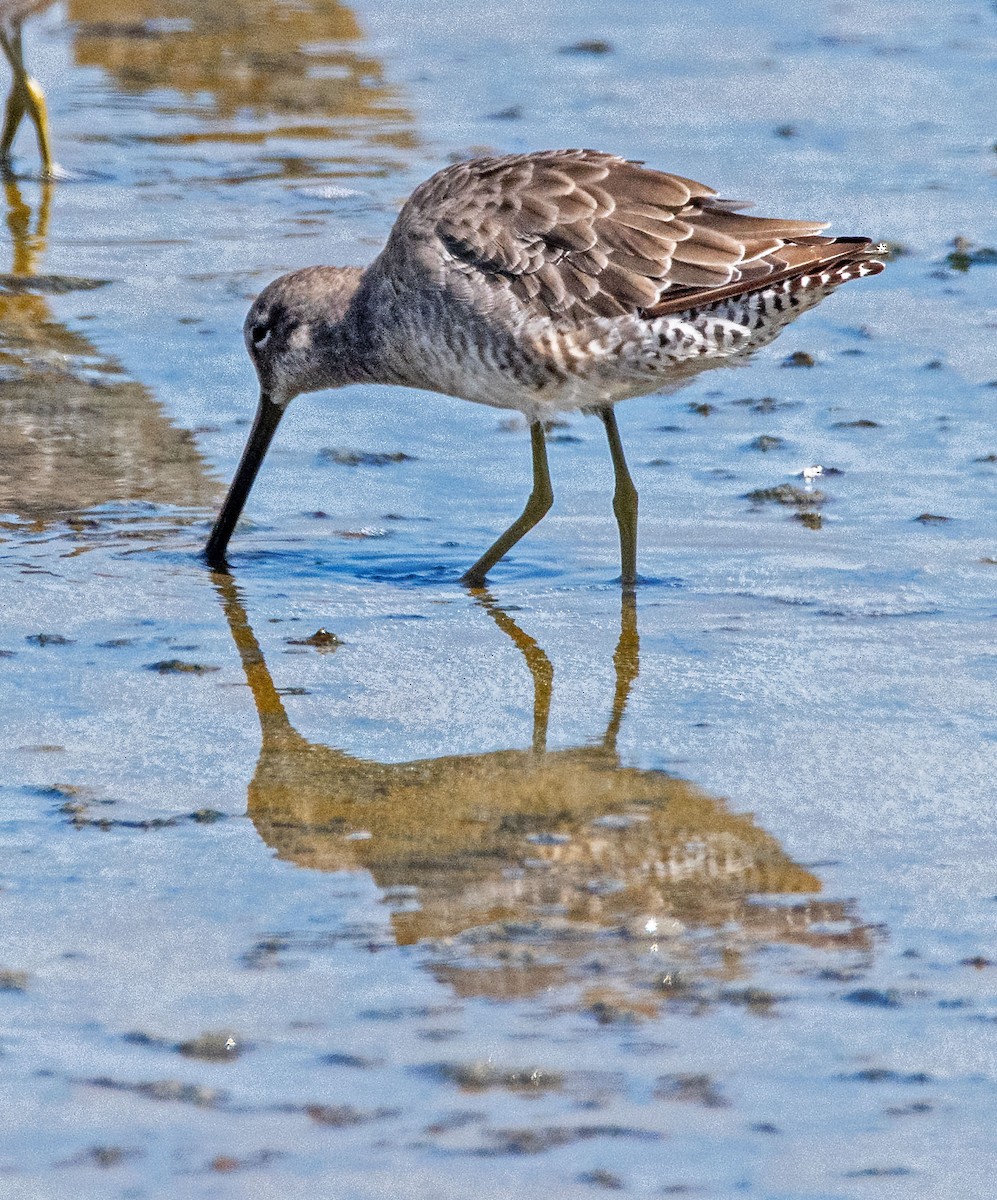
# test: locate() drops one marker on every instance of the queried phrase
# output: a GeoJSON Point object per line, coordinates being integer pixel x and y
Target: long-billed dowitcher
{"type": "Point", "coordinates": [26, 97]}
{"type": "Point", "coordinates": [563, 279]}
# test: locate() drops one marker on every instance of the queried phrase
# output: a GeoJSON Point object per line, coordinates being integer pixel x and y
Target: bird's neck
{"type": "Point", "coordinates": [333, 356]}
{"type": "Point", "coordinates": [347, 342]}
{"type": "Point", "coordinates": [365, 335]}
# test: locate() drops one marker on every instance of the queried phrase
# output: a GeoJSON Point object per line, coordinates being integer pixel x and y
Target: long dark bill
{"type": "Point", "coordinates": [268, 417]}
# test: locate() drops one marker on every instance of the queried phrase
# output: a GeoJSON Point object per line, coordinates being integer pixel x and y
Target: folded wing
{"type": "Point", "coordinates": [575, 234]}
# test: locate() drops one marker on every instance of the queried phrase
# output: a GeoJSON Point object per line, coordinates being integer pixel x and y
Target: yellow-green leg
{"type": "Point", "coordinates": [26, 96]}
{"type": "Point", "coordinates": [538, 505]}
{"type": "Point", "coordinates": [15, 100]}
{"type": "Point", "coordinates": [624, 502]}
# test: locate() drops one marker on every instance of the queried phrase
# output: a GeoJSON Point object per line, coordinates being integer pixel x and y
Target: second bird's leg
{"type": "Point", "coordinates": [541, 498]}
{"type": "Point", "coordinates": [624, 501]}
{"type": "Point", "coordinates": [15, 100]}
{"type": "Point", "coordinates": [26, 96]}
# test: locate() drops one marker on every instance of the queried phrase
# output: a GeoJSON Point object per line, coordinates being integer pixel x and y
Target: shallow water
{"type": "Point", "coordinates": [533, 891]}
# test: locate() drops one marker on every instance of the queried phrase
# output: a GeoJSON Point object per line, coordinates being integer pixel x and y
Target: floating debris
{"type": "Point", "coordinates": [138, 1037]}
{"type": "Point", "coordinates": [538, 1141]}
{"type": "Point", "coordinates": [215, 1047]}
{"type": "Point", "coordinates": [321, 639]}
{"type": "Point", "coordinates": [176, 666]}
{"type": "Point", "coordinates": [891, 250]}
{"type": "Point", "coordinates": [364, 458]}
{"type": "Point", "coordinates": [482, 1076]}
{"type": "Point", "coordinates": [602, 1178]}
{"type": "Point", "coordinates": [766, 442]}
{"type": "Point", "coordinates": [755, 999]}
{"type": "Point", "coordinates": [873, 998]}
{"type": "Point", "coordinates": [342, 1059]}
{"type": "Point", "coordinates": [341, 1116]}
{"type": "Point", "coordinates": [225, 1163]}
{"type": "Point", "coordinates": [610, 1007]}
{"type": "Point", "coordinates": [787, 494]}
{"type": "Point", "coordinates": [592, 46]}
{"type": "Point", "coordinates": [101, 1156]}
{"type": "Point", "coordinates": [764, 404]}
{"type": "Point", "coordinates": [799, 358]}
{"type": "Point", "coordinates": [878, 1172]}
{"type": "Point", "coordinates": [13, 981]}
{"type": "Point", "coordinates": [165, 1089]}
{"type": "Point", "coordinates": [963, 256]}
{"type": "Point", "coordinates": [690, 1089]}
{"type": "Point", "coordinates": [48, 639]}
{"type": "Point", "coordinates": [927, 518]}
{"type": "Point", "coordinates": [885, 1075]}
{"type": "Point", "coordinates": [48, 285]}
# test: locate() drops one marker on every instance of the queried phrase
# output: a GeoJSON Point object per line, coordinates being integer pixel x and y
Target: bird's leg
{"type": "Point", "coordinates": [12, 118]}
{"type": "Point", "coordinates": [15, 100]}
{"type": "Point", "coordinates": [38, 111]}
{"type": "Point", "coordinates": [624, 501]}
{"type": "Point", "coordinates": [541, 498]}
{"type": "Point", "coordinates": [26, 96]}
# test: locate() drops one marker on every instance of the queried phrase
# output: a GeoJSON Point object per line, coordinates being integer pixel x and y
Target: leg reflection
{"type": "Point", "coordinates": [519, 865]}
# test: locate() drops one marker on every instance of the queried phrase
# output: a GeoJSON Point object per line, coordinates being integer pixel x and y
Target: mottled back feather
{"type": "Point", "coordinates": [575, 234]}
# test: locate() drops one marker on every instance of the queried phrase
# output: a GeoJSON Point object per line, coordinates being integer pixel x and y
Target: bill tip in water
{"type": "Point", "coordinates": [216, 555]}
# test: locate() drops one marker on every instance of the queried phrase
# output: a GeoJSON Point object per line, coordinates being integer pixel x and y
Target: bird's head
{"type": "Point", "coordinates": [296, 335]}
{"type": "Point", "coordinates": [293, 332]}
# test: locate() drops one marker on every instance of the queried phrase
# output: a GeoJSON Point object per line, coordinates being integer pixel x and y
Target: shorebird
{"type": "Point", "coordinates": [26, 97]}
{"type": "Point", "coordinates": [544, 282]}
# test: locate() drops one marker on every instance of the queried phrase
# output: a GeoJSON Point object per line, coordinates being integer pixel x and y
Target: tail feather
{"type": "Point", "coordinates": [808, 261]}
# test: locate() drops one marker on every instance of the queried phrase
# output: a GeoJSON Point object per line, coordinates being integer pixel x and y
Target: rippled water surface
{"type": "Point", "coordinates": [327, 878]}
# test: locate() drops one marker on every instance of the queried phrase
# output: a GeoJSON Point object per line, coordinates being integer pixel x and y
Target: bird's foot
{"type": "Point", "coordinates": [52, 173]}
{"type": "Point", "coordinates": [632, 582]}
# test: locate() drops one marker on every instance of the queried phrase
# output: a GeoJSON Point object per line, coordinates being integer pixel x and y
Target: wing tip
{"type": "Point", "coordinates": [850, 258]}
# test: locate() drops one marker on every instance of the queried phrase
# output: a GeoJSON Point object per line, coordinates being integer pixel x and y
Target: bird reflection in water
{"type": "Point", "coordinates": [303, 64]}
{"type": "Point", "coordinates": [75, 433]}
{"type": "Point", "coordinates": [525, 869]}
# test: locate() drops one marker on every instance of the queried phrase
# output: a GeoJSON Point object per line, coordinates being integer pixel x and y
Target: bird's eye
{"type": "Point", "coordinates": [259, 335]}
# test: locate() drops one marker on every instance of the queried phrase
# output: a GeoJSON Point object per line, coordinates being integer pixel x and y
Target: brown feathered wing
{"type": "Point", "coordinates": [572, 234]}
